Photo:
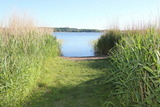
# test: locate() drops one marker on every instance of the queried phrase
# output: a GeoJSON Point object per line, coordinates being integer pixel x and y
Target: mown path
{"type": "Point", "coordinates": [67, 83]}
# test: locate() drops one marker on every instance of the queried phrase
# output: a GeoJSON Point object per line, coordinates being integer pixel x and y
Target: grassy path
{"type": "Point", "coordinates": [66, 83]}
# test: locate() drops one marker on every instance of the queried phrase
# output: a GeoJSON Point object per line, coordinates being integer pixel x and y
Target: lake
{"type": "Point", "coordinates": [77, 44]}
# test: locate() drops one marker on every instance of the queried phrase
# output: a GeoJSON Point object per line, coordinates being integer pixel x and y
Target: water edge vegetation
{"type": "Point", "coordinates": [24, 47]}
{"type": "Point", "coordinates": [135, 66]}
{"type": "Point", "coordinates": [31, 74]}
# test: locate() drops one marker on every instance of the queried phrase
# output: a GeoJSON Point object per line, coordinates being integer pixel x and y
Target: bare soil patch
{"type": "Point", "coordinates": [85, 58]}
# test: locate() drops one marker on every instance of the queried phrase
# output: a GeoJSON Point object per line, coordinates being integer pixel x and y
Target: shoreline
{"type": "Point", "coordinates": [84, 58]}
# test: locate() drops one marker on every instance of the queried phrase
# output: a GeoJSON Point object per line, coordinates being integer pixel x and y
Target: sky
{"type": "Point", "coordinates": [92, 14]}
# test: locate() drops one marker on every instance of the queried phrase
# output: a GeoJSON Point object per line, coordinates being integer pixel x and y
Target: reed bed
{"type": "Point", "coordinates": [135, 70]}
{"type": "Point", "coordinates": [24, 48]}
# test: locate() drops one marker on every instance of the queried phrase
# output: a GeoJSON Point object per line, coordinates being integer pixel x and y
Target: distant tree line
{"type": "Point", "coordinates": [67, 29]}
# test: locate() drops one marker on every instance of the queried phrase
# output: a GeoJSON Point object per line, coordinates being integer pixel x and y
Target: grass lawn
{"type": "Point", "coordinates": [66, 83]}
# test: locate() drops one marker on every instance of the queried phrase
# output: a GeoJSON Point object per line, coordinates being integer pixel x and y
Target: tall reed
{"type": "Point", "coordinates": [135, 71]}
{"type": "Point", "coordinates": [24, 47]}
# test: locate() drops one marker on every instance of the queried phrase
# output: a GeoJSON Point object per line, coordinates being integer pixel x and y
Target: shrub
{"type": "Point", "coordinates": [107, 41]}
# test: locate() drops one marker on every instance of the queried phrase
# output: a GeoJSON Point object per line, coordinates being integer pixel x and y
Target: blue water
{"type": "Point", "coordinates": [77, 44]}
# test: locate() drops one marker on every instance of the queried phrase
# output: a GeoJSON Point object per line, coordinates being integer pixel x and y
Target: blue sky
{"type": "Point", "coordinates": [97, 14]}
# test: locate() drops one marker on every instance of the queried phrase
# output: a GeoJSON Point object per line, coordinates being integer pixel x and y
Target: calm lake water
{"type": "Point", "coordinates": [77, 44]}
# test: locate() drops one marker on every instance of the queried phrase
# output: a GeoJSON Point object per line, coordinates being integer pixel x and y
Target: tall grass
{"type": "Point", "coordinates": [135, 70]}
{"type": "Point", "coordinates": [24, 47]}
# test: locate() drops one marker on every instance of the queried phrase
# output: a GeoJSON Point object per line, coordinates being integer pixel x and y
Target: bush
{"type": "Point", "coordinates": [107, 41]}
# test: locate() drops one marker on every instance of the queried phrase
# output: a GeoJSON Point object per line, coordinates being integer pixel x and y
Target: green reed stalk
{"type": "Point", "coordinates": [24, 48]}
{"type": "Point", "coordinates": [136, 70]}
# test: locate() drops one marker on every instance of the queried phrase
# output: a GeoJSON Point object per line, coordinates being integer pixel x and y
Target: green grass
{"type": "Point", "coordinates": [66, 83]}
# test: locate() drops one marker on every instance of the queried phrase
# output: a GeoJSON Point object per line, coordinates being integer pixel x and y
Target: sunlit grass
{"type": "Point", "coordinates": [70, 83]}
